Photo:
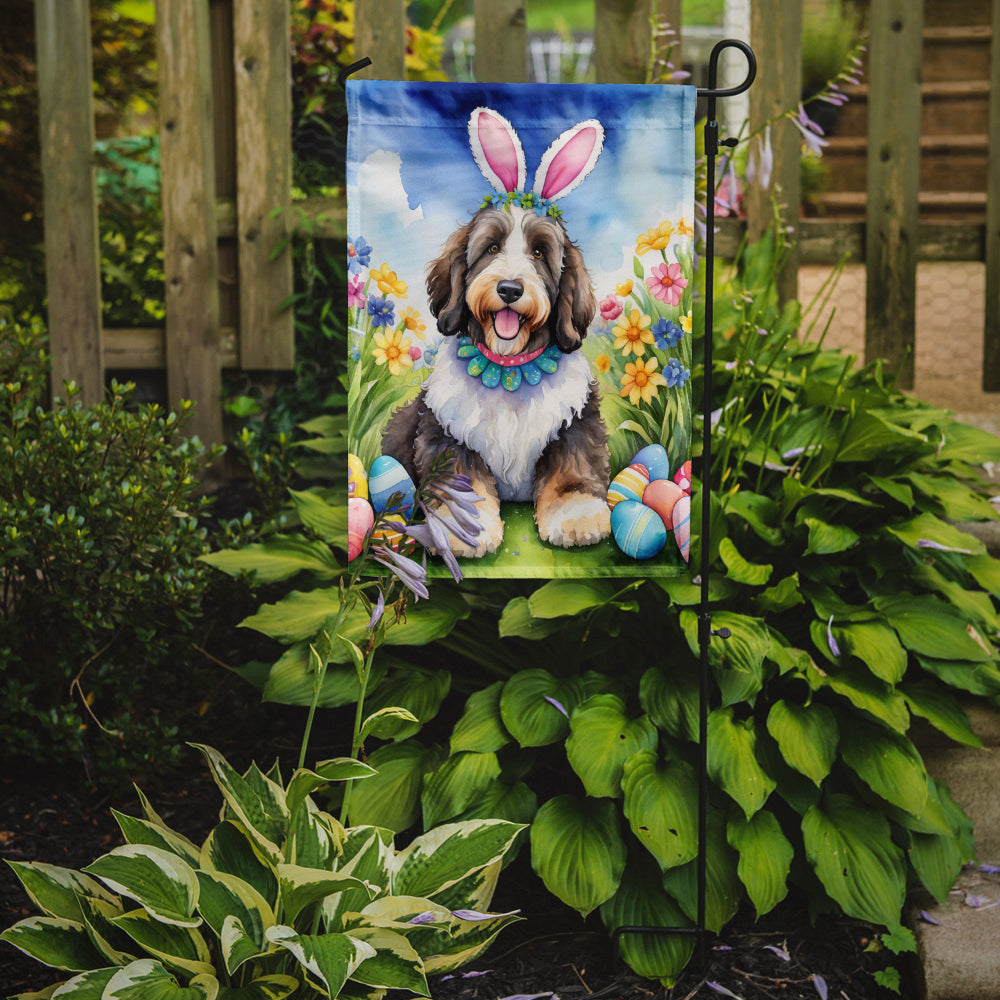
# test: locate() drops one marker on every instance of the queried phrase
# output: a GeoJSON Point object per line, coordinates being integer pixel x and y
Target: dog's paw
{"type": "Point", "coordinates": [488, 540]}
{"type": "Point", "coordinates": [577, 519]}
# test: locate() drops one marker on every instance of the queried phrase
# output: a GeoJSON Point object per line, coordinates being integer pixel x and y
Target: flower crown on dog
{"type": "Point", "coordinates": [500, 156]}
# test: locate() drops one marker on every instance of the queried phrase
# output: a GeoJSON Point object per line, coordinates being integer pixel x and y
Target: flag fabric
{"type": "Point", "coordinates": [520, 295]}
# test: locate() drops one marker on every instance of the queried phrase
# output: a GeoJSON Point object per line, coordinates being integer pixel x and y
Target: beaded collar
{"type": "Point", "coordinates": [493, 369]}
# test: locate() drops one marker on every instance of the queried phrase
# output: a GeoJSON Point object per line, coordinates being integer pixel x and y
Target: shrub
{"type": "Point", "coordinates": [99, 546]}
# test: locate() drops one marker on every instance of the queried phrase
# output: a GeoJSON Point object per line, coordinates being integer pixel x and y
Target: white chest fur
{"type": "Point", "coordinates": [510, 430]}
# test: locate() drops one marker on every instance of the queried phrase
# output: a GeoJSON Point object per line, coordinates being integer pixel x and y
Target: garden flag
{"type": "Point", "coordinates": [520, 262]}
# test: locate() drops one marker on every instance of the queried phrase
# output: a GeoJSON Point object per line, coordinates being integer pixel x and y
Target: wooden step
{"type": "Point", "coordinates": [956, 53]}
{"type": "Point", "coordinates": [958, 206]}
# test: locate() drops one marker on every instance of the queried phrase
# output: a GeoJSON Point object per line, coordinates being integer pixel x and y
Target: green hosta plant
{"type": "Point", "coordinates": [279, 900]}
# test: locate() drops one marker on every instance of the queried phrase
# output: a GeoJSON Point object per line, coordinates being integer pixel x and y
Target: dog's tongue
{"type": "Point", "coordinates": [507, 323]}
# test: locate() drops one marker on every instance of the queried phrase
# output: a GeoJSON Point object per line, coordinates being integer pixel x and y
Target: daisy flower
{"type": "Point", "coordinates": [624, 290]}
{"type": "Point", "coordinates": [667, 283]}
{"type": "Point", "coordinates": [388, 283]}
{"type": "Point", "coordinates": [641, 381]}
{"type": "Point", "coordinates": [655, 238]}
{"type": "Point", "coordinates": [413, 323]}
{"type": "Point", "coordinates": [632, 333]}
{"type": "Point", "coordinates": [392, 350]}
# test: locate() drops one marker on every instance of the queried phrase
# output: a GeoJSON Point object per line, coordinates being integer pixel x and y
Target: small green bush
{"type": "Point", "coordinates": [99, 578]}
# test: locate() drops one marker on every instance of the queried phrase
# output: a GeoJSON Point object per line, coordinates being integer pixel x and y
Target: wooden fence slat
{"type": "Point", "coordinates": [262, 61]}
{"type": "Point", "coordinates": [501, 38]}
{"type": "Point", "coordinates": [776, 36]}
{"type": "Point", "coordinates": [892, 215]}
{"type": "Point", "coordinates": [190, 253]}
{"type": "Point", "coordinates": [380, 34]}
{"type": "Point", "coordinates": [622, 39]}
{"type": "Point", "coordinates": [72, 255]}
{"type": "Point", "coordinates": [991, 332]}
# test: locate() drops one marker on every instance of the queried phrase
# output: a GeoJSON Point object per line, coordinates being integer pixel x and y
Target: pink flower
{"type": "Point", "coordinates": [611, 308]}
{"type": "Point", "coordinates": [415, 353]}
{"type": "Point", "coordinates": [667, 283]}
{"type": "Point", "coordinates": [355, 290]}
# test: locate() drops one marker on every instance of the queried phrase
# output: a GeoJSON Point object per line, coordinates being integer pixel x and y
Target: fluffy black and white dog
{"type": "Point", "coordinates": [512, 295]}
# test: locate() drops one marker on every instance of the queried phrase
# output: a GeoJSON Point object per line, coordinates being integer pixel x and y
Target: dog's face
{"type": "Point", "coordinates": [513, 282]}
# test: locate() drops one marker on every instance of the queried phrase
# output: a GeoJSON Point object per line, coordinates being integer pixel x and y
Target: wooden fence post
{"type": "Point", "coordinates": [262, 61]}
{"type": "Point", "coordinates": [776, 35]}
{"type": "Point", "coordinates": [501, 38]}
{"type": "Point", "coordinates": [893, 183]}
{"type": "Point", "coordinates": [380, 34]}
{"type": "Point", "coordinates": [623, 37]}
{"type": "Point", "coordinates": [991, 333]}
{"type": "Point", "coordinates": [72, 255]}
{"type": "Point", "coordinates": [190, 251]}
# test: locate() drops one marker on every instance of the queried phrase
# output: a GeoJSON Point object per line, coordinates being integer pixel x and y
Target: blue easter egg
{"type": "Point", "coordinates": [386, 477]}
{"type": "Point", "coordinates": [654, 457]}
{"type": "Point", "coordinates": [638, 530]}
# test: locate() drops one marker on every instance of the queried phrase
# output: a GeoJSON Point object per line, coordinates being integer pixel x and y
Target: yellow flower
{"type": "Point", "coordinates": [413, 323]}
{"type": "Point", "coordinates": [684, 228]}
{"type": "Point", "coordinates": [624, 290]}
{"type": "Point", "coordinates": [641, 381]}
{"type": "Point", "coordinates": [655, 239]}
{"type": "Point", "coordinates": [686, 322]}
{"type": "Point", "coordinates": [603, 363]}
{"type": "Point", "coordinates": [632, 333]}
{"type": "Point", "coordinates": [392, 350]}
{"type": "Point", "coordinates": [388, 283]}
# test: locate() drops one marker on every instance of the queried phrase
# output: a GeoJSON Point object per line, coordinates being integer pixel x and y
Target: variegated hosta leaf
{"type": "Point", "coordinates": [732, 760]}
{"type": "Point", "coordinates": [300, 887]}
{"type": "Point", "coordinates": [367, 853]}
{"type": "Point", "coordinates": [256, 801]}
{"type": "Point", "coordinates": [159, 881]}
{"type": "Point", "coordinates": [147, 979]}
{"type": "Point", "coordinates": [441, 857]}
{"type": "Point", "coordinates": [642, 902]}
{"type": "Point", "coordinates": [315, 838]}
{"type": "Point", "coordinates": [850, 847]}
{"type": "Point", "coordinates": [467, 941]}
{"type": "Point", "coordinates": [56, 891]}
{"type": "Point", "coordinates": [141, 831]}
{"type": "Point", "coordinates": [275, 987]}
{"type": "Point", "coordinates": [807, 736]}
{"type": "Point", "coordinates": [54, 941]}
{"type": "Point", "coordinates": [86, 986]}
{"type": "Point", "coordinates": [329, 959]}
{"type": "Point", "coordinates": [177, 947]}
{"type": "Point", "coordinates": [602, 737]}
{"type": "Point", "coordinates": [116, 946]}
{"type": "Point", "coordinates": [475, 891]}
{"type": "Point", "coordinates": [661, 805]}
{"type": "Point", "coordinates": [230, 849]}
{"type": "Point", "coordinates": [395, 964]}
{"type": "Point", "coordinates": [481, 727]}
{"type": "Point", "coordinates": [578, 851]}
{"type": "Point", "coordinates": [765, 858]}
{"type": "Point", "coordinates": [456, 784]}
{"type": "Point", "coordinates": [535, 706]}
{"type": "Point", "coordinates": [225, 897]}
{"type": "Point", "coordinates": [304, 782]}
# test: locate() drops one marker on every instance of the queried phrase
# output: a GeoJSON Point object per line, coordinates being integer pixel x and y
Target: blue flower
{"type": "Point", "coordinates": [675, 373]}
{"type": "Point", "coordinates": [666, 333]}
{"type": "Point", "coordinates": [359, 254]}
{"type": "Point", "coordinates": [354, 353]}
{"type": "Point", "coordinates": [430, 356]}
{"type": "Point", "coordinates": [381, 311]}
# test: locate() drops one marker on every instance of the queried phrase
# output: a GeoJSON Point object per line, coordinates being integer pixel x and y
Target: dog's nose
{"type": "Point", "coordinates": [510, 291]}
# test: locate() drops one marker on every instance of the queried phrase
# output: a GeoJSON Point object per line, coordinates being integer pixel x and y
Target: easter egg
{"type": "Point", "coordinates": [385, 477]}
{"type": "Point", "coordinates": [661, 495]}
{"type": "Point", "coordinates": [637, 529]}
{"type": "Point", "coordinates": [629, 484]}
{"type": "Point", "coordinates": [654, 458]}
{"type": "Point", "coordinates": [390, 530]}
{"type": "Point", "coordinates": [357, 481]}
{"type": "Point", "coordinates": [360, 518]}
{"type": "Point", "coordinates": [682, 477]}
{"type": "Point", "coordinates": [682, 526]}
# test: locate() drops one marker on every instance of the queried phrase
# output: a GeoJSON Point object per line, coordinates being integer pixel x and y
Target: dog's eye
{"type": "Point", "coordinates": [538, 253]}
{"type": "Point", "coordinates": [493, 248]}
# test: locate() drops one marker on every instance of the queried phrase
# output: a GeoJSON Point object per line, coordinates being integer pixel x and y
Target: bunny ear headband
{"type": "Point", "coordinates": [500, 156]}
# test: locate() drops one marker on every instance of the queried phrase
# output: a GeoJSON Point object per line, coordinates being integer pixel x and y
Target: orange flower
{"type": "Point", "coordinates": [684, 228]}
{"type": "Point", "coordinates": [603, 363]}
{"type": "Point", "coordinates": [641, 381]}
{"type": "Point", "coordinates": [655, 239]}
{"type": "Point", "coordinates": [632, 333]}
{"type": "Point", "coordinates": [413, 323]}
{"type": "Point", "coordinates": [392, 350]}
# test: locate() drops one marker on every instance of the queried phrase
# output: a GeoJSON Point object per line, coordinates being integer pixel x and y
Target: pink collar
{"type": "Point", "coordinates": [511, 361]}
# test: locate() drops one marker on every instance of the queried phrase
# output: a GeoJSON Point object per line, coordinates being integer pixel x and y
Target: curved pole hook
{"type": "Point", "coordinates": [713, 69]}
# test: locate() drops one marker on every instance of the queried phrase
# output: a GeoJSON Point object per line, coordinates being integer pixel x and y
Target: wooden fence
{"type": "Point", "coordinates": [226, 160]}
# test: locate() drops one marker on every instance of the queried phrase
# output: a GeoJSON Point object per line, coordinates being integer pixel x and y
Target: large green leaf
{"type": "Point", "coordinates": [870, 435]}
{"type": "Point", "coordinates": [325, 519]}
{"type": "Point", "coordinates": [279, 558]}
{"type": "Point", "coordinates": [416, 689]}
{"type": "Point", "coordinates": [732, 760]}
{"type": "Point", "coordinates": [516, 803]}
{"type": "Point", "coordinates": [304, 782]}
{"type": "Point", "coordinates": [927, 528]}
{"type": "Point", "coordinates": [517, 620]}
{"type": "Point", "coordinates": [641, 901]}
{"type": "Point", "coordinates": [828, 539]}
{"type": "Point", "coordinates": [671, 699]}
{"type": "Point", "coordinates": [481, 728]}
{"type": "Point", "coordinates": [56, 891]}
{"type": "Point", "coordinates": [738, 661]}
{"type": "Point", "coordinates": [739, 569]}
{"type": "Point", "coordinates": [602, 738]}
{"type": "Point", "coordinates": [765, 858]}
{"type": "Point", "coordinates": [225, 897]}
{"type": "Point", "coordinates": [876, 646]}
{"type": "Point", "coordinates": [292, 679]}
{"type": "Point", "coordinates": [930, 627]}
{"type": "Point", "coordinates": [807, 736]}
{"type": "Point", "coordinates": [391, 798]}
{"type": "Point", "coordinates": [866, 692]}
{"type": "Point", "coordinates": [147, 979]}
{"type": "Point", "coordinates": [179, 948]}
{"type": "Point", "coordinates": [958, 502]}
{"type": "Point", "coordinates": [275, 987]}
{"type": "Point", "coordinates": [229, 848]}
{"type": "Point", "coordinates": [54, 941]}
{"type": "Point", "coordinates": [562, 598]}
{"type": "Point", "coordinates": [164, 885]}
{"type": "Point", "coordinates": [86, 986]}
{"type": "Point", "coordinates": [851, 850]}
{"type": "Point", "coordinates": [535, 706]}
{"type": "Point", "coordinates": [395, 964]}
{"type": "Point", "coordinates": [456, 784]}
{"type": "Point", "coordinates": [939, 706]}
{"type": "Point", "coordinates": [330, 959]}
{"type": "Point", "coordinates": [976, 678]}
{"type": "Point", "coordinates": [578, 851]}
{"type": "Point", "coordinates": [661, 806]}
{"type": "Point", "coordinates": [888, 763]}
{"type": "Point", "coordinates": [301, 887]}
{"type": "Point", "coordinates": [144, 831]}
{"type": "Point", "coordinates": [986, 571]}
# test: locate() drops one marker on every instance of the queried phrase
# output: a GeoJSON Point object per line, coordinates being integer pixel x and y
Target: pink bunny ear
{"type": "Point", "coordinates": [497, 150]}
{"type": "Point", "coordinates": [569, 159]}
